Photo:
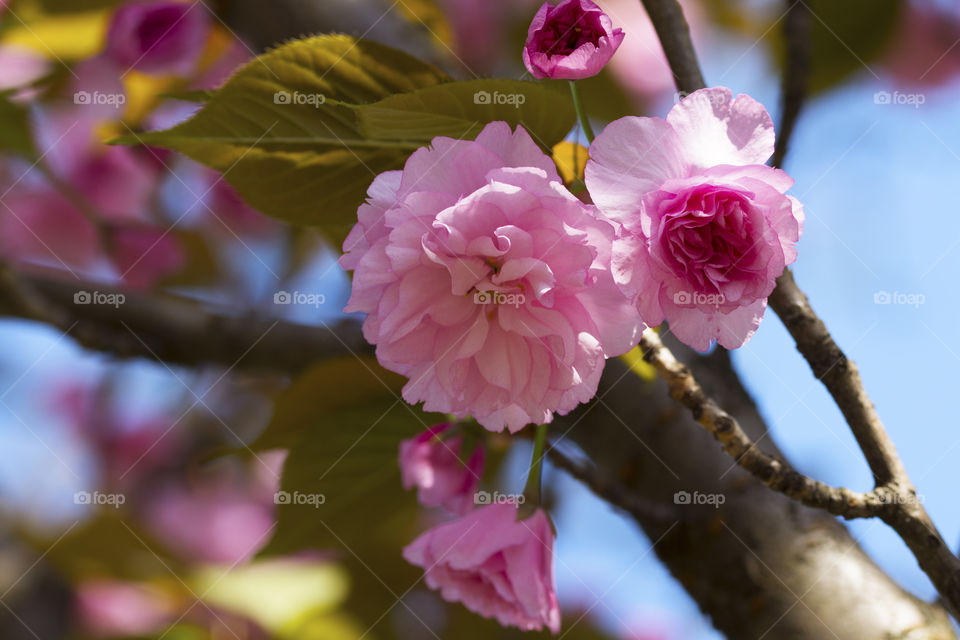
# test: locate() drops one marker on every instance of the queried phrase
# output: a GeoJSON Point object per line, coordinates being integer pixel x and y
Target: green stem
{"type": "Point", "coordinates": [581, 114]}
{"type": "Point", "coordinates": [532, 490]}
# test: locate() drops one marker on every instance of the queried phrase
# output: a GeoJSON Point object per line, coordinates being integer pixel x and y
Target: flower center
{"type": "Point", "coordinates": [709, 242]}
{"type": "Point", "coordinates": [569, 29]}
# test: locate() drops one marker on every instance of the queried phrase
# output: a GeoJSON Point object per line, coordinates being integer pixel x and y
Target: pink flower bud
{"type": "Point", "coordinates": [434, 467]}
{"type": "Point", "coordinates": [158, 36]}
{"type": "Point", "coordinates": [570, 41]}
{"type": "Point", "coordinates": [495, 565]}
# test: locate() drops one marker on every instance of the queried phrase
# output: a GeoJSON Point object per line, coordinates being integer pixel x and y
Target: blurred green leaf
{"type": "Point", "coordinates": [276, 594]}
{"type": "Point", "coordinates": [109, 546]}
{"type": "Point", "coordinates": [200, 267]}
{"type": "Point", "coordinates": [15, 128]}
{"type": "Point", "coordinates": [323, 390]}
{"type": "Point", "coordinates": [76, 6]}
{"type": "Point", "coordinates": [342, 474]}
{"type": "Point", "coordinates": [462, 109]}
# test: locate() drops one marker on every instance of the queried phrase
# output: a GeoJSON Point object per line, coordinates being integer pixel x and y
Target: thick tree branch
{"type": "Point", "coordinates": [172, 329]}
{"type": "Point", "coordinates": [674, 33]}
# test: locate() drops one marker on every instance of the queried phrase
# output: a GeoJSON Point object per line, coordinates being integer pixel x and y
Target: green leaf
{"type": "Point", "coordinates": [109, 545]}
{"type": "Point", "coordinates": [323, 390]}
{"type": "Point", "coordinates": [302, 160]}
{"type": "Point", "coordinates": [189, 95]}
{"type": "Point", "coordinates": [15, 128]}
{"type": "Point", "coordinates": [76, 6]}
{"type": "Point", "coordinates": [341, 474]}
{"type": "Point", "coordinates": [462, 109]}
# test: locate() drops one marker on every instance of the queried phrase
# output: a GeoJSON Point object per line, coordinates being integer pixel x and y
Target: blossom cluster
{"type": "Point", "coordinates": [500, 295]}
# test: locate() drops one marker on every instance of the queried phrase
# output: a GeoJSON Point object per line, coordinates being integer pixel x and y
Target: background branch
{"type": "Point", "coordinates": [173, 329]}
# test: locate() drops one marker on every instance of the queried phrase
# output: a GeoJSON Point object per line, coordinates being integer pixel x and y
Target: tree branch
{"type": "Point", "coordinates": [774, 473]}
{"type": "Point", "coordinates": [674, 33]}
{"type": "Point", "coordinates": [611, 491]}
{"type": "Point", "coordinates": [796, 32]}
{"type": "Point", "coordinates": [173, 329]}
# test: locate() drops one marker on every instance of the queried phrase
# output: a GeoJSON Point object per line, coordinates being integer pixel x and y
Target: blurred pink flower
{"type": "Point", "coordinates": [212, 523]}
{"type": "Point", "coordinates": [706, 225]}
{"type": "Point", "coordinates": [20, 66]}
{"type": "Point", "coordinates": [158, 36]}
{"type": "Point", "coordinates": [433, 465]}
{"type": "Point", "coordinates": [572, 40]}
{"type": "Point", "coordinates": [143, 256]}
{"type": "Point", "coordinates": [39, 225]}
{"type": "Point", "coordinates": [121, 609]}
{"type": "Point", "coordinates": [495, 565]}
{"type": "Point", "coordinates": [486, 282]}
{"type": "Point", "coordinates": [923, 52]}
{"type": "Point", "coordinates": [113, 179]}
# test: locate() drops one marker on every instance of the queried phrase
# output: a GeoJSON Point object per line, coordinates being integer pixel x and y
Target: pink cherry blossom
{"type": "Point", "coordinates": [495, 565]}
{"type": "Point", "coordinates": [486, 282]}
{"type": "Point", "coordinates": [706, 227]}
{"type": "Point", "coordinates": [158, 36]}
{"type": "Point", "coordinates": [433, 465]}
{"type": "Point", "coordinates": [570, 41]}
{"type": "Point", "coordinates": [143, 256]}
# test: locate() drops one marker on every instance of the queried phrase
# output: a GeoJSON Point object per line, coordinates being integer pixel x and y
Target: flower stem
{"type": "Point", "coordinates": [581, 114]}
{"type": "Point", "coordinates": [532, 491]}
